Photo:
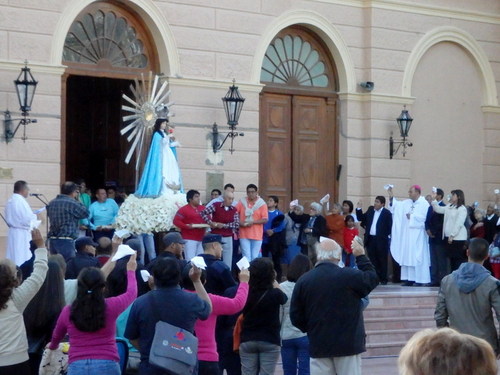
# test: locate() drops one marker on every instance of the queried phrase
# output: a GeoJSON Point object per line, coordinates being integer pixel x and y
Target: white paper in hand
{"type": "Point", "coordinates": [388, 186]}
{"type": "Point", "coordinates": [122, 252]}
{"type": "Point", "coordinates": [122, 233]}
{"type": "Point", "coordinates": [243, 263]}
{"type": "Point", "coordinates": [294, 203]}
{"type": "Point", "coordinates": [145, 275]}
{"type": "Point", "coordinates": [325, 199]}
{"type": "Point", "coordinates": [40, 210]}
{"type": "Point", "coordinates": [199, 262]}
{"type": "Point", "coordinates": [434, 189]}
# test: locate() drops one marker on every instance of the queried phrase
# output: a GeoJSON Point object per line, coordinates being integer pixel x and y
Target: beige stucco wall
{"type": "Point", "coordinates": [203, 44]}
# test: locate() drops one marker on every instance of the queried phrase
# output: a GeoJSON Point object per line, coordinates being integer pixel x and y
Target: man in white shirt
{"type": "Point", "coordinates": [19, 217]}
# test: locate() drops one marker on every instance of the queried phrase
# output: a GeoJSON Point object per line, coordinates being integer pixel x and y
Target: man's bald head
{"type": "Point", "coordinates": [228, 198]}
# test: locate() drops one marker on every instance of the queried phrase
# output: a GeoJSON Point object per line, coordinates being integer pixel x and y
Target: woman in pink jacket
{"type": "Point", "coordinates": [91, 323]}
{"type": "Point", "coordinates": [208, 358]}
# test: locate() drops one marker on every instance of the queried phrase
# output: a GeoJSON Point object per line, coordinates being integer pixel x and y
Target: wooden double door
{"type": "Point", "coordinates": [298, 147]}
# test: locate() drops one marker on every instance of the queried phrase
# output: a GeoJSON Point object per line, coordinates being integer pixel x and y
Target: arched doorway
{"type": "Point", "coordinates": [298, 131]}
{"type": "Point", "coordinates": [106, 48]}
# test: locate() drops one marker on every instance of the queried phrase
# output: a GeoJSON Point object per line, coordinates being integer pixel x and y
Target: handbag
{"type": "Point", "coordinates": [173, 349]}
{"type": "Point", "coordinates": [54, 362]}
{"type": "Point", "coordinates": [237, 333]}
{"type": "Point", "coordinates": [238, 327]}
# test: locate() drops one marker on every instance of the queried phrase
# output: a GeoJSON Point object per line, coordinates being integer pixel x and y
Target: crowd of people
{"type": "Point", "coordinates": [243, 318]}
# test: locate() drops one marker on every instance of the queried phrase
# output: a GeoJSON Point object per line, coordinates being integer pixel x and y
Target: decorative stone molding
{"type": "Point", "coordinates": [57, 69]}
{"type": "Point", "coordinates": [463, 39]}
{"type": "Point", "coordinates": [325, 30]}
{"type": "Point", "coordinates": [423, 9]}
{"type": "Point", "coordinates": [214, 84]}
{"type": "Point", "coordinates": [380, 98]}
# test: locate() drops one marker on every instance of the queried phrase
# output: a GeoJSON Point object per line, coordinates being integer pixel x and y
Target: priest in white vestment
{"type": "Point", "coordinates": [409, 240]}
{"type": "Point", "coordinates": [19, 217]}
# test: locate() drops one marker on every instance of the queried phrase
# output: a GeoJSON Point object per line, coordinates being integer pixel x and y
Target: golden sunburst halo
{"type": "Point", "coordinates": [149, 104]}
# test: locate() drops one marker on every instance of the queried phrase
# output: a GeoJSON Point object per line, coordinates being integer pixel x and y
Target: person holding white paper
{"type": "Point", "coordinates": [410, 242]}
{"type": "Point", "coordinates": [19, 217]}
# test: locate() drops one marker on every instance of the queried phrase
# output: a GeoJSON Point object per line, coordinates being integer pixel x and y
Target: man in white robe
{"type": "Point", "coordinates": [19, 217]}
{"type": "Point", "coordinates": [409, 240]}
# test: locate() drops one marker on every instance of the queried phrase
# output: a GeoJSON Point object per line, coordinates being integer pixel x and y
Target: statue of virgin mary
{"type": "Point", "coordinates": [161, 174]}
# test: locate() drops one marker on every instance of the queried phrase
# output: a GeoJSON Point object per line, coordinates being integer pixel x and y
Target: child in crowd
{"type": "Point", "coordinates": [350, 231]}
{"type": "Point", "coordinates": [477, 230]}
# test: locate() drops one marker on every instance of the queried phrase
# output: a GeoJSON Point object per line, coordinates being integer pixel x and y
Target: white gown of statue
{"type": "Point", "coordinates": [19, 216]}
{"type": "Point", "coordinates": [170, 167]}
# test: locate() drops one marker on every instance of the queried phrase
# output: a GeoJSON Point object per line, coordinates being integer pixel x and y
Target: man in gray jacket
{"type": "Point", "coordinates": [467, 296]}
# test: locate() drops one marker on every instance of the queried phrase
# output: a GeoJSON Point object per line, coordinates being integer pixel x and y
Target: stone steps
{"type": "Point", "coordinates": [394, 315]}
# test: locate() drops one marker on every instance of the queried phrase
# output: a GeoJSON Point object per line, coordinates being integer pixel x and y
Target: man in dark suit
{"type": "Point", "coordinates": [434, 228]}
{"type": "Point", "coordinates": [377, 221]}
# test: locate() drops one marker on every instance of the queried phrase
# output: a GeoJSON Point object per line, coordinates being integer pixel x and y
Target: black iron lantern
{"type": "Point", "coordinates": [25, 87]}
{"type": "Point", "coordinates": [404, 123]}
{"type": "Point", "coordinates": [233, 104]}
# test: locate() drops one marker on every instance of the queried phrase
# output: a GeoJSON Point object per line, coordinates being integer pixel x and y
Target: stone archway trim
{"type": "Point", "coordinates": [325, 30]}
{"type": "Point", "coordinates": [465, 40]}
{"type": "Point", "coordinates": [158, 26]}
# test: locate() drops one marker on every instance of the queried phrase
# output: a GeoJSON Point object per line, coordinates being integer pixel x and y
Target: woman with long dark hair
{"type": "Point", "coordinates": [13, 300]}
{"type": "Point", "coordinates": [90, 322]}
{"type": "Point", "coordinates": [454, 230]}
{"type": "Point", "coordinates": [260, 334]}
{"type": "Point", "coordinates": [161, 172]}
{"type": "Point", "coordinates": [41, 313]}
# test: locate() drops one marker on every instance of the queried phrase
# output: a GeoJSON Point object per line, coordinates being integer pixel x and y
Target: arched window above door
{"type": "Point", "coordinates": [296, 59]}
{"type": "Point", "coordinates": [105, 35]}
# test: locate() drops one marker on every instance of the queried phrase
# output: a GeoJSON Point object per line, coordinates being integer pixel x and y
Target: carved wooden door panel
{"type": "Point", "coordinates": [275, 147]}
{"type": "Point", "coordinates": [310, 150]}
{"type": "Point", "coordinates": [298, 148]}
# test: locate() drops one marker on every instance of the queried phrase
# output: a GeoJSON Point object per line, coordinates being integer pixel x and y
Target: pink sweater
{"type": "Point", "coordinates": [205, 329]}
{"type": "Point", "coordinates": [100, 344]}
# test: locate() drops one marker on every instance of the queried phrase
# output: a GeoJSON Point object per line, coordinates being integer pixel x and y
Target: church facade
{"type": "Point", "coordinates": [323, 82]}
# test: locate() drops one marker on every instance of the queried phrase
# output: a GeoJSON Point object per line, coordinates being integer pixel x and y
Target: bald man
{"type": "Point", "coordinates": [224, 220]}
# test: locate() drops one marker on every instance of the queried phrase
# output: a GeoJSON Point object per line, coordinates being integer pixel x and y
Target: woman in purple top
{"type": "Point", "coordinates": [90, 323]}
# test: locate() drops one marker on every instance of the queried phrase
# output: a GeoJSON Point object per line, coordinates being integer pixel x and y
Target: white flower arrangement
{"type": "Point", "coordinates": [147, 215]}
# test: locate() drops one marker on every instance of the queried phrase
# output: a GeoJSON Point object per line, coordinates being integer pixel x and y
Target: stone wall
{"type": "Point", "coordinates": [204, 44]}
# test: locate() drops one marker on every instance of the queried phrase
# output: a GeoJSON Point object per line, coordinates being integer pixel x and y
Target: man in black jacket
{"type": "Point", "coordinates": [377, 221]}
{"type": "Point", "coordinates": [437, 245]}
{"type": "Point", "coordinates": [326, 304]}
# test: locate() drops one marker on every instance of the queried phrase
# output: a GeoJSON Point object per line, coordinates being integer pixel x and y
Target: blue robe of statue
{"type": "Point", "coordinates": [161, 168]}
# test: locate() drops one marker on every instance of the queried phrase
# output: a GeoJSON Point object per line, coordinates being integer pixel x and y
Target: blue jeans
{"type": "Point", "coordinates": [65, 247]}
{"type": "Point", "coordinates": [94, 367]}
{"type": "Point", "coordinates": [147, 246]}
{"type": "Point", "coordinates": [293, 352]}
{"type": "Point", "coordinates": [250, 248]}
